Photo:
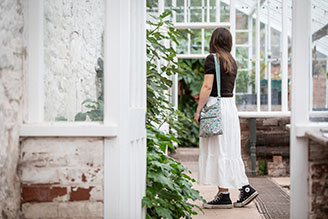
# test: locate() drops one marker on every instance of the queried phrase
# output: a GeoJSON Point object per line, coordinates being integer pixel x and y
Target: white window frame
{"type": "Point", "coordinates": [255, 11]}
{"type": "Point", "coordinates": [34, 124]}
{"type": "Point", "coordinates": [300, 108]}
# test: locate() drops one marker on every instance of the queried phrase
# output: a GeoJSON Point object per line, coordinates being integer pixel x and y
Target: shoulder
{"type": "Point", "coordinates": [209, 65]}
{"type": "Point", "coordinates": [209, 61]}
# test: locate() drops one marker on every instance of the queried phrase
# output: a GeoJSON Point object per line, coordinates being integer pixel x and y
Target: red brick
{"type": "Point", "coordinates": [80, 194]}
{"type": "Point", "coordinates": [319, 170]}
{"type": "Point", "coordinates": [277, 159]}
{"type": "Point", "coordinates": [41, 192]}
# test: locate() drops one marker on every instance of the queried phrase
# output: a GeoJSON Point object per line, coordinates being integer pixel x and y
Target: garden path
{"type": "Point", "coordinates": [272, 203]}
{"type": "Point", "coordinates": [189, 158]}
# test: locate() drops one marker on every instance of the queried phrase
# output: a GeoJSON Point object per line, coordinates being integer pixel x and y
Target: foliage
{"type": "Point", "coordinates": [190, 85]}
{"type": "Point", "coordinates": [95, 112]}
{"type": "Point", "coordinates": [95, 107]}
{"type": "Point", "coordinates": [263, 168]}
{"type": "Point", "coordinates": [168, 185]}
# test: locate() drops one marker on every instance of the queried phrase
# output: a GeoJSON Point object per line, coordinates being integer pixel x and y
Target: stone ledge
{"type": "Point", "coordinates": [317, 137]}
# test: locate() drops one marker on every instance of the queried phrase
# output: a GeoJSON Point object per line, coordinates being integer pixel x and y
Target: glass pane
{"type": "Point", "coordinates": [207, 36]}
{"type": "Point", "coordinates": [183, 43]}
{"type": "Point", "coordinates": [241, 20]}
{"type": "Point", "coordinates": [196, 11]}
{"type": "Point", "coordinates": [223, 15]}
{"type": "Point", "coordinates": [245, 82]}
{"type": "Point", "coordinates": [73, 66]}
{"type": "Point", "coordinates": [153, 6]}
{"type": "Point", "coordinates": [196, 42]}
{"type": "Point", "coordinates": [224, 12]}
{"type": "Point", "coordinates": [319, 59]}
{"type": "Point", "coordinates": [241, 38]}
{"type": "Point", "coordinates": [180, 11]}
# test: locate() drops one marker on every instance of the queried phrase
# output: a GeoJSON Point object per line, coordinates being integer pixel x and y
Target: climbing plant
{"type": "Point", "coordinates": [169, 187]}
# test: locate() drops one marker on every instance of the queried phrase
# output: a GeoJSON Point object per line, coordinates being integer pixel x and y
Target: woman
{"type": "Point", "coordinates": [220, 161]}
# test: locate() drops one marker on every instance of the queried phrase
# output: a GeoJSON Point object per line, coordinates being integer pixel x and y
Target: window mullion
{"type": "Point", "coordinates": [35, 61]}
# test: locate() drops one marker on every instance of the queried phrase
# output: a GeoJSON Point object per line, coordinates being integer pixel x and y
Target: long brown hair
{"type": "Point", "coordinates": [221, 44]}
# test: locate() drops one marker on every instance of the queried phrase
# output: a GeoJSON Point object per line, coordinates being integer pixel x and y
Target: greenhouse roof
{"type": "Point", "coordinates": [319, 16]}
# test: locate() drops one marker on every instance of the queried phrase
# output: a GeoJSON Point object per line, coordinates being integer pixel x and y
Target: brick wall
{"type": "Point", "coordinates": [318, 180]}
{"type": "Point", "coordinates": [319, 91]}
{"type": "Point", "coordinates": [61, 178]}
{"type": "Point", "coordinates": [11, 90]}
{"type": "Point", "coordinates": [272, 144]}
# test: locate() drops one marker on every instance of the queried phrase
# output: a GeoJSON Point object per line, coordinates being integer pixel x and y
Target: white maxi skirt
{"type": "Point", "coordinates": [220, 161]}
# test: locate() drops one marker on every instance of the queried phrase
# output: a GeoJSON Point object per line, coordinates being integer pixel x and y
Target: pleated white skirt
{"type": "Point", "coordinates": [220, 161]}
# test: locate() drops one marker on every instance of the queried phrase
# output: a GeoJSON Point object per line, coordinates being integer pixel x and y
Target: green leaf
{"type": "Point", "coordinates": [163, 212]}
{"type": "Point", "coordinates": [80, 116]}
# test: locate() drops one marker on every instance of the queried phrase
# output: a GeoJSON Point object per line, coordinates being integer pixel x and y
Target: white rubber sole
{"type": "Point", "coordinates": [247, 201]}
{"type": "Point", "coordinates": [208, 206]}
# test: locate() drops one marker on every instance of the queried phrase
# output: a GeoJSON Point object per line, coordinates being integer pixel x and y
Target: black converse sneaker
{"type": "Point", "coordinates": [246, 196]}
{"type": "Point", "coordinates": [221, 200]}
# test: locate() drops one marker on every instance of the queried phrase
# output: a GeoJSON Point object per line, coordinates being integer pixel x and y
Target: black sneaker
{"type": "Point", "coordinates": [220, 201]}
{"type": "Point", "coordinates": [247, 195]}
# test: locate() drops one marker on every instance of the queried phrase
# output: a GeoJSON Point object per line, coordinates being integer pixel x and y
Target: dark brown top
{"type": "Point", "coordinates": [227, 80]}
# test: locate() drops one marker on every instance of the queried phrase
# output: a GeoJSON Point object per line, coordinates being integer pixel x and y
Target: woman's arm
{"type": "Point", "coordinates": [204, 94]}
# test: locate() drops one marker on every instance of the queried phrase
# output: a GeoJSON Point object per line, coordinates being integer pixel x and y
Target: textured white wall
{"type": "Point", "coordinates": [11, 90]}
{"type": "Point", "coordinates": [72, 44]}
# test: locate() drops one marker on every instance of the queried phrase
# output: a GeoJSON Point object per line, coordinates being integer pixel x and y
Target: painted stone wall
{"type": "Point", "coordinates": [61, 177]}
{"type": "Point", "coordinates": [272, 144]}
{"type": "Point", "coordinates": [72, 44]}
{"type": "Point", "coordinates": [318, 180]}
{"type": "Point", "coordinates": [12, 54]}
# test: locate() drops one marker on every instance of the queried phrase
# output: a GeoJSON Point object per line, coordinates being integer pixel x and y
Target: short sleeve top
{"type": "Point", "coordinates": [227, 80]}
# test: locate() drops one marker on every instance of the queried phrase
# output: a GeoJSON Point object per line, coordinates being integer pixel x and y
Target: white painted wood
{"type": "Point", "coordinates": [185, 11]}
{"type": "Point", "coordinates": [269, 59]}
{"type": "Point", "coordinates": [250, 50]}
{"type": "Point", "coordinates": [301, 129]}
{"type": "Point", "coordinates": [68, 129]}
{"type": "Point", "coordinates": [218, 11]}
{"type": "Point", "coordinates": [200, 25]}
{"type": "Point", "coordinates": [35, 64]}
{"type": "Point", "coordinates": [284, 57]}
{"type": "Point", "coordinates": [191, 56]}
{"type": "Point", "coordinates": [208, 11]}
{"type": "Point", "coordinates": [161, 5]}
{"type": "Point", "coordinates": [175, 85]}
{"type": "Point", "coordinates": [203, 31]}
{"type": "Point", "coordinates": [301, 47]}
{"type": "Point", "coordinates": [112, 111]}
{"type": "Point", "coordinates": [263, 114]}
{"type": "Point", "coordinates": [257, 62]}
{"type": "Point", "coordinates": [125, 67]}
{"type": "Point", "coordinates": [174, 13]}
{"type": "Point", "coordinates": [233, 27]}
{"type": "Point", "coordinates": [243, 45]}
{"type": "Point", "coordinates": [242, 31]}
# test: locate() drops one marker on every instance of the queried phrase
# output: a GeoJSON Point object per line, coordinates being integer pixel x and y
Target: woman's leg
{"type": "Point", "coordinates": [223, 189]}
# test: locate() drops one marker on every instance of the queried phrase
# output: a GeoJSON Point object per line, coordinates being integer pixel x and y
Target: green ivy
{"type": "Point", "coordinates": [190, 84]}
{"type": "Point", "coordinates": [169, 188]}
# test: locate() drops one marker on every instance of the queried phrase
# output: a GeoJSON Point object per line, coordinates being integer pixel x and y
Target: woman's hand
{"type": "Point", "coordinates": [197, 117]}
